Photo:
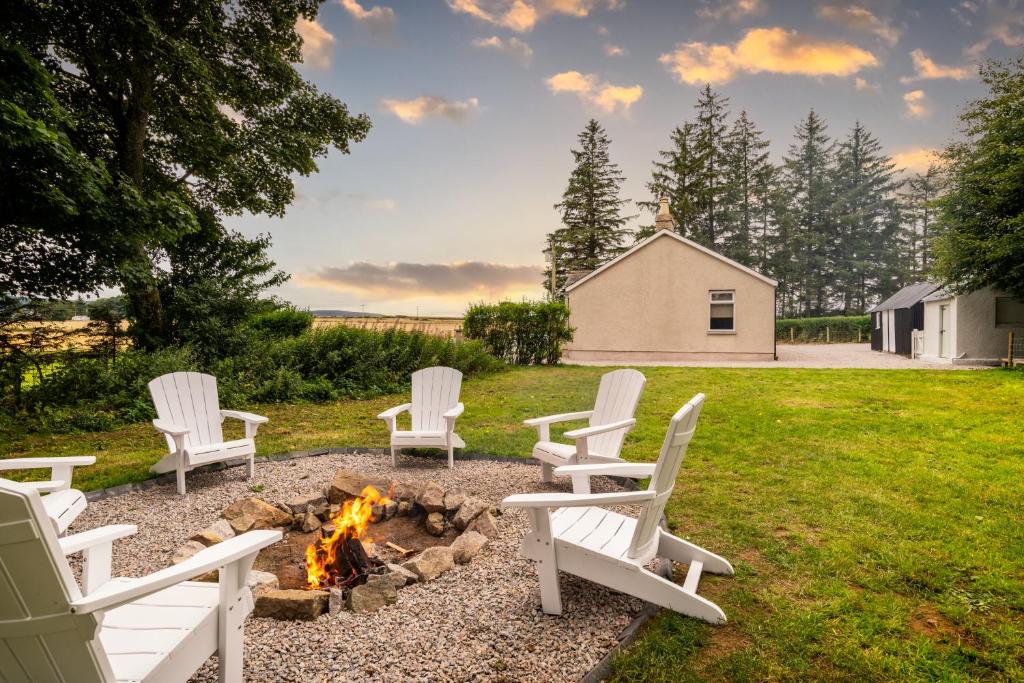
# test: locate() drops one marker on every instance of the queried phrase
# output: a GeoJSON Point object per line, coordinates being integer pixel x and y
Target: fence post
{"type": "Point", "coordinates": [791, 335]}
{"type": "Point", "coordinates": [1009, 351]}
{"type": "Point", "coordinates": [828, 335]}
{"type": "Point", "coordinates": [858, 335]}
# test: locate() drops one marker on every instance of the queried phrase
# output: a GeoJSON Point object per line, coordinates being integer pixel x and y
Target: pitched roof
{"type": "Point", "coordinates": [906, 297]}
{"type": "Point", "coordinates": [690, 243]}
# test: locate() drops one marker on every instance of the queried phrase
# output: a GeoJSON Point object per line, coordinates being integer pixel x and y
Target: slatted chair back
{"type": "Point", "coordinates": [189, 399]}
{"type": "Point", "coordinates": [434, 391]}
{"type": "Point", "coordinates": [673, 448]}
{"type": "Point", "coordinates": [617, 398]}
{"type": "Point", "coordinates": [41, 640]}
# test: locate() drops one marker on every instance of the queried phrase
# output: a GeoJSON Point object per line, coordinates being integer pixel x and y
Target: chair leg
{"type": "Point", "coordinates": [674, 548]}
{"type": "Point", "coordinates": [232, 611]}
{"type": "Point", "coordinates": [451, 458]}
{"type": "Point", "coordinates": [250, 466]}
{"type": "Point", "coordinates": [546, 562]}
{"type": "Point", "coordinates": [394, 457]}
{"type": "Point", "coordinates": [546, 472]}
{"type": "Point", "coordinates": [181, 478]}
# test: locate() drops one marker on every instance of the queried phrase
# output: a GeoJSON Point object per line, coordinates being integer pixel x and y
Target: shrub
{"type": "Point", "coordinates": [282, 323]}
{"type": "Point", "coordinates": [524, 333]}
{"type": "Point", "coordinates": [835, 329]}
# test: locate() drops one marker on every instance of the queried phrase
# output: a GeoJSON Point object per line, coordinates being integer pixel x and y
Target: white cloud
{"type": "Point", "coordinates": [522, 15]}
{"type": "Point", "coordinates": [861, 19]}
{"type": "Point", "coordinates": [429, 106]}
{"type": "Point", "coordinates": [615, 50]}
{"type": "Point", "coordinates": [916, 159]}
{"type": "Point", "coordinates": [1002, 23]}
{"type": "Point", "coordinates": [601, 30]}
{"type": "Point", "coordinates": [926, 69]}
{"type": "Point", "coordinates": [511, 46]}
{"type": "Point", "coordinates": [414, 280]}
{"type": "Point", "coordinates": [916, 104]}
{"type": "Point", "coordinates": [733, 10]}
{"type": "Point", "coordinates": [378, 20]}
{"type": "Point", "coordinates": [317, 43]}
{"type": "Point", "coordinates": [773, 50]}
{"type": "Point", "coordinates": [382, 204]}
{"type": "Point", "coordinates": [592, 90]}
{"type": "Point", "coordinates": [862, 84]}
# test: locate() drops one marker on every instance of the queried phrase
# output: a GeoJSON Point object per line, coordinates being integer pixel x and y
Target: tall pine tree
{"type": "Point", "coordinates": [710, 149]}
{"type": "Point", "coordinates": [591, 209]}
{"type": "Point", "coordinates": [745, 164]}
{"type": "Point", "coordinates": [677, 176]}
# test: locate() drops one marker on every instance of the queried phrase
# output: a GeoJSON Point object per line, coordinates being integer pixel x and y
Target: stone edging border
{"type": "Point", "coordinates": [601, 671]}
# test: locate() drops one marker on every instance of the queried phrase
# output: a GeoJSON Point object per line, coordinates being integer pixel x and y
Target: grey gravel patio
{"type": "Point", "coordinates": [478, 622]}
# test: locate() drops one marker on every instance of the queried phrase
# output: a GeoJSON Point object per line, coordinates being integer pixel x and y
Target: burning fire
{"type": "Point", "coordinates": [351, 522]}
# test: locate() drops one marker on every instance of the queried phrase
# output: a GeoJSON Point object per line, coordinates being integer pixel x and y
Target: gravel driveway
{"type": "Point", "coordinates": [478, 622]}
{"type": "Point", "coordinates": [812, 356]}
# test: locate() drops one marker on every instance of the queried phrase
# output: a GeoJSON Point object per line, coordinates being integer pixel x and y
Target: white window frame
{"type": "Point", "coordinates": [713, 302]}
{"type": "Point", "coordinates": [878, 320]}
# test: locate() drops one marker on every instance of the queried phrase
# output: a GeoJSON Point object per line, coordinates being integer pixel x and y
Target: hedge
{"type": "Point", "coordinates": [523, 333]}
{"type": "Point", "coordinates": [834, 329]}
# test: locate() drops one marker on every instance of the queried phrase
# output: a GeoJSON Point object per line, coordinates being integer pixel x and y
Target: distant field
{"type": "Point", "coordinates": [441, 327]}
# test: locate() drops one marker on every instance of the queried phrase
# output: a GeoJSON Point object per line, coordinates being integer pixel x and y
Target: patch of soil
{"type": "Point", "coordinates": [928, 622]}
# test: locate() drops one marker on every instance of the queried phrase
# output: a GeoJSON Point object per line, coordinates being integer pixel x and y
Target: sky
{"type": "Point", "coordinates": [475, 105]}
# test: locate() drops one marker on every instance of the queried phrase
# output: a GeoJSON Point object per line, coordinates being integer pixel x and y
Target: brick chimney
{"type": "Point", "coordinates": [663, 221]}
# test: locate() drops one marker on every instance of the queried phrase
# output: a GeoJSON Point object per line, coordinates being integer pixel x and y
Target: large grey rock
{"type": "Point", "coordinates": [485, 525]}
{"type": "Point", "coordinates": [291, 604]}
{"type": "Point", "coordinates": [260, 581]}
{"type": "Point", "coordinates": [467, 545]}
{"type": "Point", "coordinates": [335, 601]}
{"type": "Point", "coordinates": [431, 498]}
{"type": "Point", "coordinates": [404, 508]}
{"type": "Point", "coordinates": [400, 576]}
{"type": "Point", "coordinates": [222, 529]}
{"type": "Point", "coordinates": [431, 563]}
{"type": "Point", "coordinates": [310, 522]}
{"type": "Point", "coordinates": [471, 508]}
{"type": "Point", "coordinates": [372, 595]}
{"type": "Point", "coordinates": [348, 484]}
{"type": "Point", "coordinates": [186, 551]}
{"type": "Point", "coordinates": [453, 500]}
{"type": "Point", "coordinates": [435, 524]}
{"type": "Point", "coordinates": [298, 504]}
{"type": "Point", "coordinates": [253, 513]}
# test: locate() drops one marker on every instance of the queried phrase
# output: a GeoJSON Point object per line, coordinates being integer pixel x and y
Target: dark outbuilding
{"type": "Point", "coordinates": [893, 320]}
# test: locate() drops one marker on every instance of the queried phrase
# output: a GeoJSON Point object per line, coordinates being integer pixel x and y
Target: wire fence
{"type": "Point", "coordinates": [1014, 349]}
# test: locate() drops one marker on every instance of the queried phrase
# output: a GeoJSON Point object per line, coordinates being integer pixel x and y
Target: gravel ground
{"type": "Point", "coordinates": [478, 622]}
{"type": "Point", "coordinates": [808, 356]}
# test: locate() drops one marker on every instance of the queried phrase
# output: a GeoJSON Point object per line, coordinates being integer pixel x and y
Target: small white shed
{"type": "Point", "coordinates": [970, 329]}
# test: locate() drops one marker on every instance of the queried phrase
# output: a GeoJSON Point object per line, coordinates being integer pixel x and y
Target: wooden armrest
{"type": "Point", "coordinates": [633, 470]}
{"type": "Point", "coordinates": [564, 417]}
{"type": "Point", "coordinates": [394, 412]}
{"type": "Point", "coordinates": [232, 550]}
{"type": "Point", "coordinates": [170, 428]}
{"type": "Point", "coordinates": [586, 432]}
{"type": "Point", "coordinates": [34, 463]}
{"type": "Point", "coordinates": [246, 417]}
{"type": "Point", "coordinates": [454, 412]}
{"type": "Point", "coordinates": [76, 543]}
{"type": "Point", "coordinates": [555, 500]}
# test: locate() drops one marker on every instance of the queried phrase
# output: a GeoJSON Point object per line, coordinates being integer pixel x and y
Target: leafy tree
{"type": "Point", "coordinates": [866, 257]}
{"type": "Point", "coordinates": [591, 209]}
{"type": "Point", "coordinates": [196, 111]}
{"type": "Point", "coordinates": [710, 148]}
{"type": "Point", "coordinates": [746, 174]}
{"type": "Point", "coordinates": [982, 213]}
{"type": "Point", "coordinates": [808, 181]}
{"type": "Point", "coordinates": [677, 176]}
{"type": "Point", "coordinates": [919, 196]}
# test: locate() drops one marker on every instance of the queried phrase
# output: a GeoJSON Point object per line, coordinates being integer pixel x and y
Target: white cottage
{"type": "Point", "coordinates": [970, 329]}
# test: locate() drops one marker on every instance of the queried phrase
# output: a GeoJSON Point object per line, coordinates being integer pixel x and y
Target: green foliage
{"type": "Point", "coordinates": [279, 363]}
{"type": "Point", "coordinates": [982, 215]}
{"type": "Point", "coordinates": [590, 209]}
{"type": "Point", "coordinates": [840, 328]}
{"type": "Point", "coordinates": [282, 323]}
{"type": "Point", "coordinates": [523, 333]}
{"type": "Point", "coordinates": [164, 118]}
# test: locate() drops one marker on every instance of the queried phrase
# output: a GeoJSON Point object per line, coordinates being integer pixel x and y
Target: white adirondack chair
{"type": "Point", "coordinates": [610, 420]}
{"type": "Point", "coordinates": [158, 628]}
{"type": "Point", "coordinates": [434, 409]}
{"type": "Point", "coordinates": [189, 415]}
{"type": "Point", "coordinates": [63, 503]}
{"type": "Point", "coordinates": [583, 538]}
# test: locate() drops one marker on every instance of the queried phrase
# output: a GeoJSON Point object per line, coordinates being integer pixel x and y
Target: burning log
{"type": "Point", "coordinates": [338, 558]}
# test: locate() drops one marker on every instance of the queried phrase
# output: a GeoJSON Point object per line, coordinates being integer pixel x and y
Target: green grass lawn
{"type": "Point", "coordinates": [875, 518]}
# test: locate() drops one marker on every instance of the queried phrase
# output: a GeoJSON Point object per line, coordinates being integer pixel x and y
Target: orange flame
{"type": "Point", "coordinates": [351, 521]}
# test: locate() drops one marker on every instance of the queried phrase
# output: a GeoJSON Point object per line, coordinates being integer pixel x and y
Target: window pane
{"type": "Point", "coordinates": [721, 296]}
{"type": "Point", "coordinates": [721, 317]}
{"type": "Point", "coordinates": [1009, 311]}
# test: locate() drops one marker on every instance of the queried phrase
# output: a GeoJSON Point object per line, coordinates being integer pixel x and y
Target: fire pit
{"type": "Point", "coordinates": [353, 545]}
